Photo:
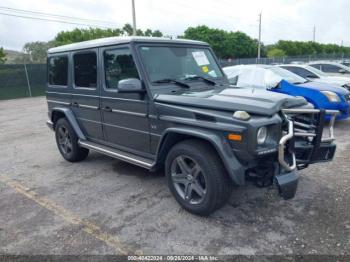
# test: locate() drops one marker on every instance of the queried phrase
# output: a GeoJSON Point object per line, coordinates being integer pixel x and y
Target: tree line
{"type": "Point", "coordinates": [226, 44]}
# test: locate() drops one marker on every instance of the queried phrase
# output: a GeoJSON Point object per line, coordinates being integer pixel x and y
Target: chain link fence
{"type": "Point", "coordinates": [22, 80]}
{"type": "Point", "coordinates": [26, 80]}
{"type": "Point", "coordinates": [285, 60]}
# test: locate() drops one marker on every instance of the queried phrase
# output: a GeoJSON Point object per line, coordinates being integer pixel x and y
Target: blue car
{"type": "Point", "coordinates": [276, 79]}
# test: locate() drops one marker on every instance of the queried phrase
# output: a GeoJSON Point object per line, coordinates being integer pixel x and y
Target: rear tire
{"type": "Point", "coordinates": [197, 178]}
{"type": "Point", "coordinates": [67, 142]}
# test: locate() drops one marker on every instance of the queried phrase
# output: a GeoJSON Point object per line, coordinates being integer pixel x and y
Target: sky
{"type": "Point", "coordinates": [281, 19]}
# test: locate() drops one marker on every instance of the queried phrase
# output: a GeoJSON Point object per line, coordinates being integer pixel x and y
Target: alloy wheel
{"type": "Point", "coordinates": [188, 179]}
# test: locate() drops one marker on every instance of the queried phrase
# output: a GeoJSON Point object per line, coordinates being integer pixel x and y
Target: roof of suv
{"type": "Point", "coordinates": [120, 40]}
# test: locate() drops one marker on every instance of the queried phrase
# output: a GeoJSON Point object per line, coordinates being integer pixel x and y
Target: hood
{"type": "Point", "coordinates": [252, 100]}
{"type": "Point", "coordinates": [322, 86]}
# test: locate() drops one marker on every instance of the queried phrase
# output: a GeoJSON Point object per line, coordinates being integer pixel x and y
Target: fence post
{"type": "Point", "coordinates": [29, 88]}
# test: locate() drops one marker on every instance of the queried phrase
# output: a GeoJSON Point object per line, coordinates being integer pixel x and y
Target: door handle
{"type": "Point", "coordinates": [75, 104]}
{"type": "Point", "coordinates": [107, 109]}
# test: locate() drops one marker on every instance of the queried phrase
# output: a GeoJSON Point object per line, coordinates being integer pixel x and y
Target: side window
{"type": "Point", "coordinates": [119, 65]}
{"type": "Point", "coordinates": [317, 66]}
{"type": "Point", "coordinates": [58, 70]}
{"type": "Point", "coordinates": [301, 72]}
{"type": "Point", "coordinates": [330, 68]}
{"type": "Point", "coordinates": [85, 70]}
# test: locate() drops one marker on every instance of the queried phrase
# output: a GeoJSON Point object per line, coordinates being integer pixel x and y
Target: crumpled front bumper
{"type": "Point", "coordinates": [301, 153]}
{"type": "Point", "coordinates": [294, 154]}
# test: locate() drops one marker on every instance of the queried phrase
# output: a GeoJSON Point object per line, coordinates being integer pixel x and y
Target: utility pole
{"type": "Point", "coordinates": [133, 18]}
{"type": "Point", "coordinates": [259, 44]}
{"type": "Point", "coordinates": [314, 34]}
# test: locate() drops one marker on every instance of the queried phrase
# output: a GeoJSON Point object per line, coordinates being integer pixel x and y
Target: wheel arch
{"type": "Point", "coordinates": [58, 112]}
{"type": "Point", "coordinates": [173, 136]}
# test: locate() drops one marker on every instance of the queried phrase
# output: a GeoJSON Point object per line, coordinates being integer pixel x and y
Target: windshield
{"type": "Point", "coordinates": [287, 75]}
{"type": "Point", "coordinates": [178, 63]}
{"type": "Point", "coordinates": [315, 71]}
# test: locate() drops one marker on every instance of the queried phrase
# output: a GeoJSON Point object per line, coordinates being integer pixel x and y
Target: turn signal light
{"type": "Point", "coordinates": [234, 137]}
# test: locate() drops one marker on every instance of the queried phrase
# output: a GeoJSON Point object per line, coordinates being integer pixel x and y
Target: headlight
{"type": "Point", "coordinates": [261, 135]}
{"type": "Point", "coordinates": [332, 97]}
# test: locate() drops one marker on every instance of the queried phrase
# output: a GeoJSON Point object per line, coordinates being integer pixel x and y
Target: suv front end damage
{"type": "Point", "coordinates": [303, 143]}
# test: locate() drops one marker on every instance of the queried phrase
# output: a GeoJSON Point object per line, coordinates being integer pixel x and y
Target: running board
{"type": "Point", "coordinates": [109, 151]}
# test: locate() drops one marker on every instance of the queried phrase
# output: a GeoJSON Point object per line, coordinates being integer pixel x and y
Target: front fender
{"type": "Point", "coordinates": [234, 168]}
{"type": "Point", "coordinates": [71, 119]}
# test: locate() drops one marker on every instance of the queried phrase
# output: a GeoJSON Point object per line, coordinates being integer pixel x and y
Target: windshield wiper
{"type": "Point", "coordinates": [211, 82]}
{"type": "Point", "coordinates": [173, 81]}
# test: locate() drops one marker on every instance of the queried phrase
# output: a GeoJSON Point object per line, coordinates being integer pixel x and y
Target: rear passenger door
{"type": "Point", "coordinates": [125, 115]}
{"type": "Point", "coordinates": [85, 93]}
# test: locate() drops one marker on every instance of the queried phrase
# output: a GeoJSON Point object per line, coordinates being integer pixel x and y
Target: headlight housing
{"type": "Point", "coordinates": [332, 97]}
{"type": "Point", "coordinates": [261, 135]}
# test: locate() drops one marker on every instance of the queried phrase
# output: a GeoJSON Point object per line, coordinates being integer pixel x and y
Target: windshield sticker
{"type": "Point", "coordinates": [205, 69]}
{"type": "Point", "coordinates": [201, 58]}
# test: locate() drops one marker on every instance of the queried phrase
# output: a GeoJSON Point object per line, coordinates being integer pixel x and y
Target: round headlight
{"type": "Point", "coordinates": [262, 135]}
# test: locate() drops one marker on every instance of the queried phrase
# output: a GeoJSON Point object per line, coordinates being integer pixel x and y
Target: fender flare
{"type": "Point", "coordinates": [234, 168]}
{"type": "Point", "coordinates": [71, 119]}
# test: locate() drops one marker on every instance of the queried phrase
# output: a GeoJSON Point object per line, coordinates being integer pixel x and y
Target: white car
{"type": "Point", "coordinates": [331, 68]}
{"type": "Point", "coordinates": [316, 75]}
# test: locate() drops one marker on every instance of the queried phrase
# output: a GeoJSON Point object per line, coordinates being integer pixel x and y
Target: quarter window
{"type": "Point", "coordinates": [85, 70]}
{"type": "Point", "coordinates": [119, 65]}
{"type": "Point", "coordinates": [58, 70]}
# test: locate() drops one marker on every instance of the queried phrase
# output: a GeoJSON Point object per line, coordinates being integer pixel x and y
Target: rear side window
{"type": "Point", "coordinates": [85, 70]}
{"type": "Point", "coordinates": [330, 68]}
{"type": "Point", "coordinates": [119, 65]}
{"type": "Point", "coordinates": [58, 70]}
{"type": "Point", "coordinates": [300, 71]}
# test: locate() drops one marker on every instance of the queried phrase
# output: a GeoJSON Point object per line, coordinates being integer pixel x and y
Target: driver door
{"type": "Point", "coordinates": [124, 115]}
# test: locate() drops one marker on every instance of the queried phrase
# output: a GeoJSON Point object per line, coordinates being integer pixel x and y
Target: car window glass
{"type": "Point", "coordinates": [300, 71]}
{"type": "Point", "coordinates": [85, 70]}
{"type": "Point", "coordinates": [178, 62]}
{"type": "Point", "coordinates": [119, 65]}
{"type": "Point", "coordinates": [329, 68]}
{"type": "Point", "coordinates": [317, 66]}
{"type": "Point", "coordinates": [58, 70]}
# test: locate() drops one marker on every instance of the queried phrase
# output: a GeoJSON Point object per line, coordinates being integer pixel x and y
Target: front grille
{"type": "Point", "coordinates": [305, 126]}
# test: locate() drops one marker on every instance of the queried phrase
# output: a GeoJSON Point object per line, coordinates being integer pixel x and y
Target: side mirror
{"type": "Point", "coordinates": [130, 85]}
{"type": "Point", "coordinates": [342, 71]}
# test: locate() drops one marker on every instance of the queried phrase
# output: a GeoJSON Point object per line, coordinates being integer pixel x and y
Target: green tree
{"type": "Point", "coordinates": [2, 56]}
{"type": "Point", "coordinates": [225, 44]}
{"type": "Point", "coordinates": [79, 35]}
{"type": "Point", "coordinates": [36, 51]}
{"type": "Point", "coordinates": [127, 29]}
{"type": "Point", "coordinates": [275, 52]}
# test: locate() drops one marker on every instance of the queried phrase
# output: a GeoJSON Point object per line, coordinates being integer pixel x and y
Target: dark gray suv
{"type": "Point", "coordinates": [156, 102]}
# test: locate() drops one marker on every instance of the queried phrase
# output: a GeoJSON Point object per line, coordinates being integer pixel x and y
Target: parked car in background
{"type": "Point", "coordinates": [345, 62]}
{"type": "Point", "coordinates": [276, 79]}
{"type": "Point", "coordinates": [315, 75]}
{"type": "Point", "coordinates": [331, 68]}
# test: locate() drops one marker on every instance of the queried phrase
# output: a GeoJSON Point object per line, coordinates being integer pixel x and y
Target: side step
{"type": "Point", "coordinates": [109, 151]}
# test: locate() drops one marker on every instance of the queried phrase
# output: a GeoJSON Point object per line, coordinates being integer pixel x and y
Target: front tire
{"type": "Point", "coordinates": [67, 142]}
{"type": "Point", "coordinates": [197, 178]}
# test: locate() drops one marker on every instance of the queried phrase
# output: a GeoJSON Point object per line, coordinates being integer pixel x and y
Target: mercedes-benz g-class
{"type": "Point", "coordinates": [157, 102]}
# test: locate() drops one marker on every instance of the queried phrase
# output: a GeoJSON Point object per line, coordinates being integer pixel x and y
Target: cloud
{"type": "Point", "coordinates": [281, 19]}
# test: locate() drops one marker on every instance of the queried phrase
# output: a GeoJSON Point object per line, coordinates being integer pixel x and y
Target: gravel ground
{"type": "Point", "coordinates": [104, 206]}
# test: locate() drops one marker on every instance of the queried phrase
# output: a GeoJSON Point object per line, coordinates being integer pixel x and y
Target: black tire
{"type": "Point", "coordinates": [68, 146]}
{"type": "Point", "coordinates": [212, 178]}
